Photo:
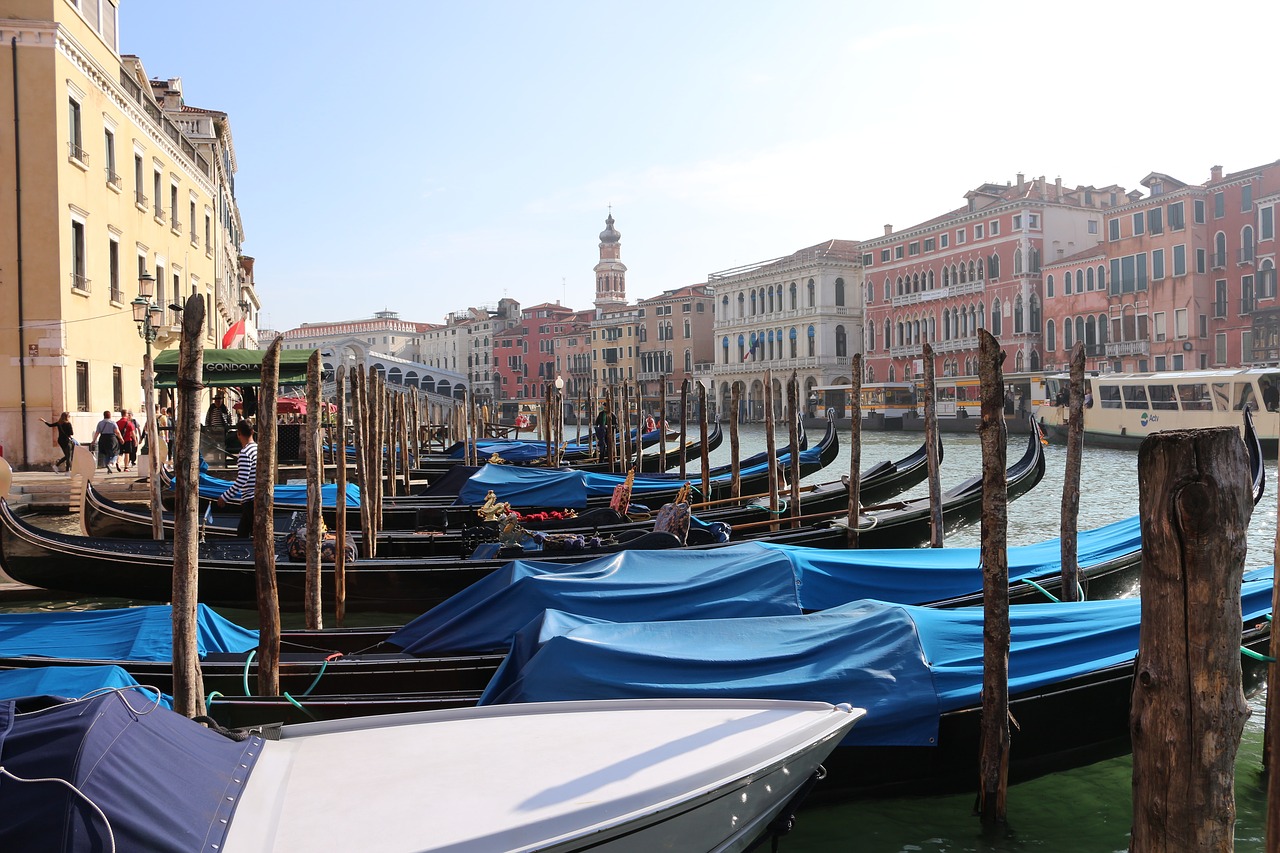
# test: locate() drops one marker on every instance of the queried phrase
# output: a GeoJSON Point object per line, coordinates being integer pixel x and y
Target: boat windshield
{"type": "Point", "coordinates": [1135, 396]}
{"type": "Point", "coordinates": [1162, 397]}
{"type": "Point", "coordinates": [1194, 397]}
{"type": "Point", "coordinates": [1109, 395]}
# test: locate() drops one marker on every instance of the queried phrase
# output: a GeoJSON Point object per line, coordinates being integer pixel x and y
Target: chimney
{"type": "Point", "coordinates": [1057, 192]}
{"type": "Point", "coordinates": [1215, 173]}
{"type": "Point", "coordinates": [1020, 178]}
{"type": "Point", "coordinates": [888, 229]}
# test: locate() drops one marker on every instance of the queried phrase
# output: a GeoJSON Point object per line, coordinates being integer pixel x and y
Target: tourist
{"type": "Point", "coordinates": [106, 440]}
{"type": "Point", "coordinates": [66, 440]}
{"type": "Point", "coordinates": [128, 429]}
{"type": "Point", "coordinates": [650, 424]}
{"type": "Point", "coordinates": [246, 478]}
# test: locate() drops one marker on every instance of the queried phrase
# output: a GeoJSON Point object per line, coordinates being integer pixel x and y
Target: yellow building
{"type": "Point", "coordinates": [100, 185]}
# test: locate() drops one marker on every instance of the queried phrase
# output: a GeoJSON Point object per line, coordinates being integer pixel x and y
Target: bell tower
{"type": "Point", "coordinates": [611, 273]}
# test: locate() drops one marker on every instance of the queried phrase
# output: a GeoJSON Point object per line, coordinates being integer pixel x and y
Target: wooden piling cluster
{"type": "Point", "coordinates": [315, 479]}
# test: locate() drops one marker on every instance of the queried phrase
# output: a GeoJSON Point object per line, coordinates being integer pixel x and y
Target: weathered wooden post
{"type": "Point", "coordinates": [264, 528]}
{"type": "Point", "coordinates": [1272, 719]}
{"type": "Point", "coordinates": [640, 418]}
{"type": "Point", "coordinates": [626, 425]}
{"type": "Point", "coordinates": [315, 514]}
{"type": "Point", "coordinates": [684, 429]}
{"type": "Point", "coordinates": [771, 447]}
{"type": "Point", "coordinates": [1071, 479]}
{"type": "Point", "coordinates": [402, 407]}
{"type": "Point", "coordinates": [662, 422]}
{"type": "Point", "coordinates": [702, 433]}
{"type": "Point", "coordinates": [735, 467]}
{"type": "Point", "coordinates": [993, 763]}
{"type": "Point", "coordinates": [931, 450]}
{"type": "Point", "coordinates": [547, 405]}
{"type": "Point", "coordinates": [855, 451]}
{"type": "Point", "coordinates": [391, 429]}
{"type": "Point", "coordinates": [793, 448]}
{"type": "Point", "coordinates": [154, 455]}
{"type": "Point", "coordinates": [188, 683]}
{"type": "Point", "coordinates": [340, 514]}
{"type": "Point", "coordinates": [1188, 706]}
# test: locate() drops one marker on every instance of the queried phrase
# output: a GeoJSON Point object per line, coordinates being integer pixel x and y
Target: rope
{"type": "Point", "coordinates": [1046, 592]}
{"type": "Point", "coordinates": [208, 702]}
{"type": "Point", "coordinates": [782, 507]}
{"type": "Point", "coordinates": [295, 703]}
{"type": "Point", "coordinates": [1250, 653]}
{"type": "Point", "coordinates": [247, 662]}
{"type": "Point", "coordinates": [111, 836]}
{"type": "Point", "coordinates": [324, 666]}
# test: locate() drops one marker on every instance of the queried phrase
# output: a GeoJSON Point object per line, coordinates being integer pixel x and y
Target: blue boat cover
{"type": "Point", "coordinates": [906, 665]}
{"type": "Point", "coordinates": [212, 488]}
{"type": "Point", "coordinates": [163, 782]}
{"type": "Point", "coordinates": [74, 682]}
{"type": "Point", "coordinates": [746, 579]}
{"type": "Point", "coordinates": [622, 587]}
{"type": "Point", "coordinates": [129, 633]}
{"type": "Point", "coordinates": [511, 451]}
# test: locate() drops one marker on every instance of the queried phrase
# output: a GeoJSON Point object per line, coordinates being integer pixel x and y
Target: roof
{"type": "Point", "coordinates": [1095, 251]}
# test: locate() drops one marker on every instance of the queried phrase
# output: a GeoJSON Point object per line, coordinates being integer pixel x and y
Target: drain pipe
{"type": "Point", "coordinates": [17, 184]}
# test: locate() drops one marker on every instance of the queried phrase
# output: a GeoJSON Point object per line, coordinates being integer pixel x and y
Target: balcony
{"type": "Point", "coordinates": [1217, 260]}
{"type": "Point", "coordinates": [1219, 310]}
{"type": "Point", "coordinates": [140, 200]}
{"type": "Point", "coordinates": [113, 180]}
{"type": "Point", "coordinates": [960, 289]}
{"type": "Point", "coordinates": [176, 227]}
{"type": "Point", "coordinates": [955, 345]}
{"type": "Point", "coordinates": [1248, 305]}
{"type": "Point", "coordinates": [1245, 255]}
{"type": "Point", "coordinates": [78, 154]}
{"type": "Point", "coordinates": [1121, 348]}
{"type": "Point", "coordinates": [195, 240]}
{"type": "Point", "coordinates": [159, 215]}
{"type": "Point", "coordinates": [80, 283]}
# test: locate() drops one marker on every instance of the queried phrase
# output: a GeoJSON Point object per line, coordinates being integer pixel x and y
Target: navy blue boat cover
{"type": "Point", "coordinates": [515, 450]}
{"type": "Point", "coordinates": [747, 579]}
{"type": "Point", "coordinates": [163, 782]}
{"type": "Point", "coordinates": [532, 487]}
{"type": "Point", "coordinates": [906, 665]}
{"type": "Point", "coordinates": [73, 682]}
{"type": "Point", "coordinates": [130, 633]}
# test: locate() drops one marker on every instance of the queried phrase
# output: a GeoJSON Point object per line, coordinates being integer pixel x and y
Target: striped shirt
{"type": "Point", "coordinates": [246, 474]}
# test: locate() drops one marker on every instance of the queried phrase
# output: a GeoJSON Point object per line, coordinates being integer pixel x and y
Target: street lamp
{"type": "Point", "coordinates": [147, 315]}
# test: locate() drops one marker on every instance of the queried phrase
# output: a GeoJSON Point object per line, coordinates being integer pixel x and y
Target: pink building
{"type": "Point", "coordinates": [524, 355]}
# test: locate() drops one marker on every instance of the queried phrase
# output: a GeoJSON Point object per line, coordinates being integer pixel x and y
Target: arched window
{"type": "Point", "coordinates": [741, 301]}
{"type": "Point", "coordinates": [1102, 277]}
{"type": "Point", "coordinates": [770, 349]}
{"type": "Point", "coordinates": [1088, 279]}
{"type": "Point", "coordinates": [841, 342]}
{"type": "Point", "coordinates": [793, 296]}
{"type": "Point", "coordinates": [1017, 314]}
{"type": "Point", "coordinates": [1035, 360]}
{"type": "Point", "coordinates": [742, 349]}
{"type": "Point", "coordinates": [644, 332]}
{"type": "Point", "coordinates": [1050, 340]}
{"type": "Point", "coordinates": [793, 337]}
{"type": "Point", "coordinates": [770, 299]}
{"type": "Point", "coordinates": [1017, 261]}
{"type": "Point", "coordinates": [892, 373]}
{"type": "Point", "coordinates": [811, 342]}
{"type": "Point", "coordinates": [946, 325]}
{"type": "Point", "coordinates": [871, 293]}
{"type": "Point", "coordinates": [688, 361]}
{"type": "Point", "coordinates": [932, 283]}
{"type": "Point", "coordinates": [899, 291]}
{"type": "Point", "coordinates": [753, 303]}
{"type": "Point", "coordinates": [1219, 249]}
{"type": "Point", "coordinates": [997, 319]}
{"type": "Point", "coordinates": [871, 373]}
{"type": "Point", "coordinates": [1035, 314]}
{"type": "Point", "coordinates": [1080, 338]}
{"type": "Point", "coordinates": [946, 277]}
{"type": "Point", "coordinates": [1066, 283]}
{"type": "Point", "coordinates": [1246, 244]}
{"type": "Point", "coordinates": [1068, 339]}
{"type": "Point", "coordinates": [1102, 328]}
{"type": "Point", "coordinates": [688, 329]}
{"type": "Point", "coordinates": [726, 349]}
{"type": "Point", "coordinates": [871, 337]}
{"type": "Point", "coordinates": [839, 292]}
{"type": "Point", "coordinates": [888, 334]}
{"type": "Point", "coordinates": [981, 321]}
{"type": "Point", "coordinates": [811, 293]}
{"type": "Point", "coordinates": [1091, 331]}
{"type": "Point", "coordinates": [1020, 362]}
{"type": "Point", "coordinates": [981, 267]}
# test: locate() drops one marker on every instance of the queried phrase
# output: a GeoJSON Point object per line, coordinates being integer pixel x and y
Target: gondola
{"type": "Point", "coordinates": [446, 656]}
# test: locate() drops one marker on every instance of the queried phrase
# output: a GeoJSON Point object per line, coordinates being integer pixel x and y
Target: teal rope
{"type": "Point", "coordinates": [247, 662]}
{"type": "Point", "coordinates": [319, 675]}
{"type": "Point", "coordinates": [1250, 653]}
{"type": "Point", "coordinates": [781, 509]}
{"type": "Point", "coordinates": [295, 703]}
{"type": "Point", "coordinates": [208, 703]}
{"type": "Point", "coordinates": [1046, 592]}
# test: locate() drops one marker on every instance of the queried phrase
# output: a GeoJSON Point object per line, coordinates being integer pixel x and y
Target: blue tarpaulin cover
{"type": "Point", "coordinates": [74, 682]}
{"type": "Point", "coordinates": [212, 488]}
{"type": "Point", "coordinates": [621, 587]}
{"type": "Point", "coordinates": [130, 633]}
{"type": "Point", "coordinates": [747, 579]}
{"type": "Point", "coordinates": [906, 665]}
{"type": "Point", "coordinates": [163, 782]}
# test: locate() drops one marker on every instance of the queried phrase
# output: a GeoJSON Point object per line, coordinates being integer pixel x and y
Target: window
{"type": "Point", "coordinates": [944, 240]}
{"type": "Point", "coordinates": [1197, 210]}
{"type": "Point", "coordinates": [842, 342]}
{"type": "Point", "coordinates": [208, 239]}
{"type": "Point", "coordinates": [1246, 198]}
{"type": "Point", "coordinates": [109, 151]}
{"type": "Point", "coordinates": [1050, 339]}
{"type": "Point", "coordinates": [885, 255]}
{"type": "Point", "coordinates": [1155, 220]}
{"type": "Point", "coordinates": [1219, 204]}
{"type": "Point", "coordinates": [688, 329]}
{"type": "Point", "coordinates": [1033, 221]}
{"type": "Point", "coordinates": [139, 197]}
{"type": "Point", "coordinates": [811, 341]}
{"type": "Point", "coordinates": [1267, 223]}
{"type": "Point", "coordinates": [897, 253]}
{"type": "Point", "coordinates": [1048, 287]}
{"type": "Point", "coordinates": [930, 244]}
{"type": "Point", "coordinates": [79, 263]}
{"type": "Point", "coordinates": [1161, 327]}
{"type": "Point", "coordinates": [1157, 264]}
{"type": "Point", "coordinates": [1204, 325]}
{"type": "Point", "coordinates": [173, 208]}
{"type": "Point", "coordinates": [996, 319]}
{"type": "Point", "coordinates": [1220, 348]}
{"type": "Point", "coordinates": [82, 386]}
{"type": "Point", "coordinates": [160, 286]}
{"type": "Point", "coordinates": [1129, 274]}
{"type": "Point", "coordinates": [1220, 298]}
{"type": "Point", "coordinates": [157, 187]}
{"type": "Point", "coordinates": [913, 248]}
{"type": "Point", "coordinates": [960, 236]}
{"type": "Point", "coordinates": [113, 264]}
{"type": "Point", "coordinates": [1138, 220]}
{"type": "Point", "coordinates": [117, 389]}
{"type": "Point", "coordinates": [1093, 226]}
{"type": "Point", "coordinates": [1179, 260]}
{"type": "Point", "coordinates": [75, 138]}
{"type": "Point", "coordinates": [1200, 261]}
{"type": "Point", "coordinates": [1180, 329]}
{"type": "Point", "coordinates": [977, 232]}
{"type": "Point", "coordinates": [1177, 220]}
{"type": "Point", "coordinates": [1113, 229]}
{"type": "Point", "coordinates": [995, 227]}
{"type": "Point", "coordinates": [839, 292]}
{"type": "Point", "coordinates": [1017, 222]}
{"type": "Point", "coordinates": [191, 210]}
{"type": "Point", "coordinates": [811, 292]}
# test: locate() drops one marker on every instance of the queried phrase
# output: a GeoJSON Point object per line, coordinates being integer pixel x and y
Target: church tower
{"type": "Point", "coordinates": [611, 273]}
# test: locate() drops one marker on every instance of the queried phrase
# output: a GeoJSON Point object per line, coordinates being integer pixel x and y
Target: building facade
{"type": "Point", "coordinates": [976, 267]}
{"type": "Point", "coordinates": [801, 313]}
{"type": "Point", "coordinates": [107, 183]}
{"type": "Point", "coordinates": [676, 338]}
{"type": "Point", "coordinates": [524, 358]}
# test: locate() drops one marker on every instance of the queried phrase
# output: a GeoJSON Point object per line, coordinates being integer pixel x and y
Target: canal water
{"type": "Point", "coordinates": [1085, 810]}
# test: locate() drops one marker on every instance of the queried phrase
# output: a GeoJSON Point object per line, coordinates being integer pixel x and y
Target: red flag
{"type": "Point", "coordinates": [236, 331]}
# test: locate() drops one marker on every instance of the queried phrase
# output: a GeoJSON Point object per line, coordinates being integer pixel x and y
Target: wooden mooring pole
{"type": "Point", "coordinates": [855, 451]}
{"type": "Point", "coordinates": [1071, 479]}
{"type": "Point", "coordinates": [771, 446]}
{"type": "Point", "coordinates": [188, 682]}
{"type": "Point", "coordinates": [264, 527]}
{"type": "Point", "coordinates": [735, 466]}
{"type": "Point", "coordinates": [931, 449]}
{"type": "Point", "coordinates": [1189, 708]}
{"type": "Point", "coordinates": [702, 432]}
{"type": "Point", "coordinates": [993, 759]}
{"type": "Point", "coordinates": [793, 447]}
{"type": "Point", "coordinates": [684, 429]}
{"type": "Point", "coordinates": [315, 514]}
{"type": "Point", "coordinates": [662, 422]}
{"type": "Point", "coordinates": [360, 439]}
{"type": "Point", "coordinates": [340, 513]}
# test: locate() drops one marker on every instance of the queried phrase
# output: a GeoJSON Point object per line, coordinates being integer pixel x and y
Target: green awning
{"type": "Point", "coordinates": [224, 368]}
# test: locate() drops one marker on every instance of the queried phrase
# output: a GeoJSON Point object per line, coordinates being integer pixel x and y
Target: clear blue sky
{"type": "Point", "coordinates": [427, 156]}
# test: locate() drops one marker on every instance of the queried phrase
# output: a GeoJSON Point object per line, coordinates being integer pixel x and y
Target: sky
{"type": "Point", "coordinates": [425, 157]}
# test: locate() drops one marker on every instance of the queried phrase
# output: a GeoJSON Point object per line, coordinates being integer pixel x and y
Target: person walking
{"type": "Point", "coordinates": [106, 440]}
{"type": "Point", "coordinates": [66, 440]}
{"type": "Point", "coordinates": [246, 478]}
{"type": "Point", "coordinates": [128, 439]}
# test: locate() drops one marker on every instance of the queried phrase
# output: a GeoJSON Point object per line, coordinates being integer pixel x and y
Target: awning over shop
{"type": "Point", "coordinates": [224, 368]}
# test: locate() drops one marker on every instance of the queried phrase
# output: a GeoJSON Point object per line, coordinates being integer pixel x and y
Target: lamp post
{"type": "Point", "coordinates": [147, 314]}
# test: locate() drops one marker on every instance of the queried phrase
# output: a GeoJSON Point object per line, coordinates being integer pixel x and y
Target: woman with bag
{"type": "Point", "coordinates": [65, 438]}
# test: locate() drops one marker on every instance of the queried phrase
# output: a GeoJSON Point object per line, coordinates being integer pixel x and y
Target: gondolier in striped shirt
{"type": "Point", "coordinates": [246, 478]}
